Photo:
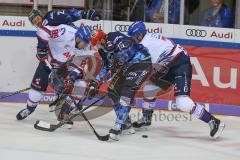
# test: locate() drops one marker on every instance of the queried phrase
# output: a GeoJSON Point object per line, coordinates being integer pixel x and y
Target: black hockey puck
{"type": "Point", "coordinates": [144, 136]}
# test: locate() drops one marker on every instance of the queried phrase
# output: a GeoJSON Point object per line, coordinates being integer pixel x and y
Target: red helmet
{"type": "Point", "coordinates": [96, 36]}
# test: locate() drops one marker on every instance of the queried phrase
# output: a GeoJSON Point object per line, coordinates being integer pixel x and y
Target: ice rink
{"type": "Point", "coordinates": [167, 139]}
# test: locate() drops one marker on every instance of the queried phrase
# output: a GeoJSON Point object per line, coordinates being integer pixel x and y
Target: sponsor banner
{"type": "Point", "coordinates": [15, 23]}
{"type": "Point", "coordinates": [204, 33]}
{"type": "Point", "coordinates": [168, 30]}
{"type": "Point", "coordinates": [216, 76]}
{"type": "Point", "coordinates": [165, 29]}
{"type": "Point", "coordinates": [160, 104]}
{"type": "Point", "coordinates": [93, 24]}
{"type": "Point", "coordinates": [237, 35]}
{"type": "Point", "coordinates": [72, 3]}
{"type": "Point", "coordinates": [120, 26]}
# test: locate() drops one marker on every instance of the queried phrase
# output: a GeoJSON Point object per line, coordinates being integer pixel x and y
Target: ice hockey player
{"type": "Point", "coordinates": [67, 16]}
{"type": "Point", "coordinates": [129, 66]}
{"type": "Point", "coordinates": [171, 63]}
{"type": "Point", "coordinates": [57, 44]}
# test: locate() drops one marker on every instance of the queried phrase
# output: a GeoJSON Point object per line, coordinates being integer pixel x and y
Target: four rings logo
{"type": "Point", "coordinates": [196, 33]}
{"type": "Point", "coordinates": [121, 28]}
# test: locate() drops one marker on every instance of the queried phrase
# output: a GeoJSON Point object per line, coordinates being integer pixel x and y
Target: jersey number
{"type": "Point", "coordinates": [54, 33]}
{"type": "Point", "coordinates": [60, 12]}
{"type": "Point", "coordinates": [67, 55]}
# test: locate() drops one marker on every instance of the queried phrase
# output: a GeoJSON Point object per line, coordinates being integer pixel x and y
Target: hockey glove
{"type": "Point", "coordinates": [161, 71]}
{"type": "Point", "coordinates": [68, 84]}
{"type": "Point", "coordinates": [157, 78]}
{"type": "Point", "coordinates": [92, 90]}
{"type": "Point", "coordinates": [42, 55]}
{"type": "Point", "coordinates": [69, 81]}
{"type": "Point", "coordinates": [91, 14]}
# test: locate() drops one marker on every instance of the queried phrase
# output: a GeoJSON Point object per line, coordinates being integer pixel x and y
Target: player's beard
{"type": "Point", "coordinates": [80, 45]}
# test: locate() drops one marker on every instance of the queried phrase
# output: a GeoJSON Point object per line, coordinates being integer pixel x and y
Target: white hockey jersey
{"type": "Point", "coordinates": [162, 50]}
{"type": "Point", "coordinates": [61, 41]}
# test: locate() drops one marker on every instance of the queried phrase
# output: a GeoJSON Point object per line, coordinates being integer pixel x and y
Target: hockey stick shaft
{"type": "Point", "coordinates": [14, 93]}
{"type": "Point", "coordinates": [48, 64]}
{"type": "Point", "coordinates": [81, 111]}
{"type": "Point", "coordinates": [84, 109]}
{"type": "Point", "coordinates": [102, 138]}
{"type": "Point", "coordinates": [41, 125]}
{"type": "Point", "coordinates": [25, 89]}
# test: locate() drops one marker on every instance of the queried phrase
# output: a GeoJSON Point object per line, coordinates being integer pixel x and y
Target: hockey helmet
{"type": "Point", "coordinates": [84, 33]}
{"type": "Point", "coordinates": [137, 28]}
{"type": "Point", "coordinates": [96, 36]}
{"type": "Point", "coordinates": [34, 13]}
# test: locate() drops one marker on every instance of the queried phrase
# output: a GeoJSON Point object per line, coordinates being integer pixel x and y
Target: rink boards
{"type": "Point", "coordinates": [215, 56]}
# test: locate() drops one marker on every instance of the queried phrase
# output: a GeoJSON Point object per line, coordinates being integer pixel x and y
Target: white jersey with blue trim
{"type": "Point", "coordinates": [162, 50]}
{"type": "Point", "coordinates": [87, 51]}
{"type": "Point", "coordinates": [60, 39]}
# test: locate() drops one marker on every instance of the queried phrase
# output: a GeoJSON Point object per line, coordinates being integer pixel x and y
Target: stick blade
{"type": "Point", "coordinates": [103, 138]}
{"type": "Point", "coordinates": [44, 126]}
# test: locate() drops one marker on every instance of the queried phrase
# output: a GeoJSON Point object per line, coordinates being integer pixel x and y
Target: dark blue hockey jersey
{"type": "Point", "coordinates": [121, 52]}
{"type": "Point", "coordinates": [67, 16]}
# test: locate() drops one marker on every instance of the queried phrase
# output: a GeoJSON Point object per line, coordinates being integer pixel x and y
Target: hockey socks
{"type": "Point", "coordinates": [201, 113]}
{"type": "Point", "coordinates": [122, 113]}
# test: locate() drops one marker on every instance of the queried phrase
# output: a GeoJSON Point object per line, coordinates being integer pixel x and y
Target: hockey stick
{"type": "Point", "coordinates": [59, 99]}
{"type": "Point", "coordinates": [25, 89]}
{"type": "Point", "coordinates": [14, 93]}
{"type": "Point", "coordinates": [48, 64]}
{"type": "Point", "coordinates": [79, 106]}
{"type": "Point", "coordinates": [101, 138]}
{"type": "Point", "coordinates": [45, 126]}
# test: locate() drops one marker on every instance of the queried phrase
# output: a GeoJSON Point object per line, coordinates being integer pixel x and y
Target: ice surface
{"type": "Point", "coordinates": [174, 140]}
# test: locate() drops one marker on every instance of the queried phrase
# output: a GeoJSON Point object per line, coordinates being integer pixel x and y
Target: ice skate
{"type": "Point", "coordinates": [24, 113]}
{"type": "Point", "coordinates": [127, 128]}
{"type": "Point", "coordinates": [216, 128]}
{"type": "Point", "coordinates": [143, 122]}
{"type": "Point", "coordinates": [63, 116]}
{"type": "Point", "coordinates": [114, 132]}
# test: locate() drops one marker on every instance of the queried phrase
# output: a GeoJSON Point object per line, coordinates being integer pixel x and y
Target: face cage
{"type": "Point", "coordinates": [31, 19]}
{"type": "Point", "coordinates": [56, 81]}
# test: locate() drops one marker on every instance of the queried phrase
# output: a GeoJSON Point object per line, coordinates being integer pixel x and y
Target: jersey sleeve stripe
{"type": "Point", "coordinates": [42, 39]}
{"type": "Point", "coordinates": [46, 30]}
{"type": "Point", "coordinates": [77, 69]}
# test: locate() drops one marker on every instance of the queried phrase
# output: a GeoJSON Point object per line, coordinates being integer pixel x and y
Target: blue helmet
{"type": "Point", "coordinates": [137, 28]}
{"type": "Point", "coordinates": [88, 28]}
{"type": "Point", "coordinates": [84, 33]}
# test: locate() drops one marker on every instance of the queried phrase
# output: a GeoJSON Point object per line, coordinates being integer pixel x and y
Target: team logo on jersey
{"type": "Point", "coordinates": [37, 81]}
{"type": "Point", "coordinates": [57, 32]}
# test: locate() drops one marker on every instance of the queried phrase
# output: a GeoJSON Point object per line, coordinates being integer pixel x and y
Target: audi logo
{"type": "Point", "coordinates": [196, 33]}
{"type": "Point", "coordinates": [121, 28]}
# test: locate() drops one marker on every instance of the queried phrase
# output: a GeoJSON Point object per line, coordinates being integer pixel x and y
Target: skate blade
{"type": "Point", "coordinates": [42, 124]}
{"type": "Point", "coordinates": [51, 108]}
{"type": "Point", "coordinates": [128, 131]}
{"type": "Point", "coordinates": [220, 130]}
{"type": "Point", "coordinates": [143, 128]}
{"type": "Point", "coordinates": [67, 126]}
{"type": "Point", "coordinates": [113, 137]}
